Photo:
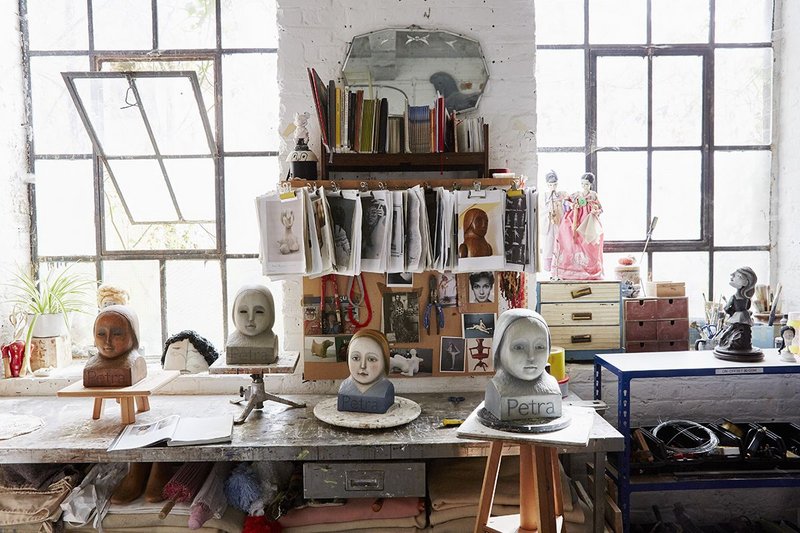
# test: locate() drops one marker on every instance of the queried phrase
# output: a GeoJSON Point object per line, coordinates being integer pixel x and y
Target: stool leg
{"type": "Point", "coordinates": [545, 490]}
{"type": "Point", "coordinates": [489, 485]}
{"type": "Point", "coordinates": [98, 408]}
{"type": "Point", "coordinates": [142, 404]}
{"type": "Point", "coordinates": [556, 471]}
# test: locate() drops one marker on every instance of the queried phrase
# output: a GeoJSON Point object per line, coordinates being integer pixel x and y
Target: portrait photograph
{"type": "Point", "coordinates": [447, 286]}
{"type": "Point", "coordinates": [479, 355]}
{"type": "Point", "coordinates": [342, 213]}
{"type": "Point", "coordinates": [374, 215]}
{"type": "Point", "coordinates": [342, 344]}
{"type": "Point", "coordinates": [399, 279]}
{"type": "Point", "coordinates": [312, 320]}
{"type": "Point", "coordinates": [401, 316]}
{"type": "Point", "coordinates": [478, 325]}
{"type": "Point", "coordinates": [480, 230]}
{"type": "Point", "coordinates": [452, 354]}
{"type": "Point", "coordinates": [320, 349]}
{"type": "Point", "coordinates": [482, 287]}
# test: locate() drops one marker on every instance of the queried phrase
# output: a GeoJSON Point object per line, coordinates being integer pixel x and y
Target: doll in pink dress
{"type": "Point", "coordinates": [578, 247]}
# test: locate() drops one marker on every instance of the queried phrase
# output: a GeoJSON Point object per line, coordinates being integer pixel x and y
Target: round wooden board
{"type": "Point", "coordinates": [401, 412]}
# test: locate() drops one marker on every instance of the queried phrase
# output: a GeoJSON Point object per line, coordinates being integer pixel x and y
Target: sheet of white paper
{"type": "Point", "coordinates": [397, 257]}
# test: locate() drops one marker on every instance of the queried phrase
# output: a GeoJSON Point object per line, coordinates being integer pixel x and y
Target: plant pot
{"type": "Point", "coordinates": [49, 325]}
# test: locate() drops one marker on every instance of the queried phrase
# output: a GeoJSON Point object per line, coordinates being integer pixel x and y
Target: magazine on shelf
{"type": "Point", "coordinates": [175, 430]}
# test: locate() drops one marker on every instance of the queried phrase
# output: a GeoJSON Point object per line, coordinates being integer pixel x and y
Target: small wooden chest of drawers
{"type": "Point", "coordinates": [584, 316]}
{"type": "Point", "coordinates": [656, 324]}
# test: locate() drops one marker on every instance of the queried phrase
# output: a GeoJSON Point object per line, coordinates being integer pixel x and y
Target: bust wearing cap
{"type": "Point", "coordinates": [118, 362]}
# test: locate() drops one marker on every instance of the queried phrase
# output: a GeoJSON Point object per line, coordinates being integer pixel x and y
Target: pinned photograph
{"type": "Point", "coordinates": [480, 230]}
{"type": "Point", "coordinates": [375, 212]}
{"type": "Point", "coordinates": [479, 355]}
{"type": "Point", "coordinates": [282, 238]}
{"type": "Point", "coordinates": [401, 316]}
{"type": "Point", "coordinates": [411, 362]}
{"type": "Point", "coordinates": [516, 229]}
{"type": "Point", "coordinates": [481, 287]}
{"type": "Point", "coordinates": [320, 349]}
{"type": "Point", "coordinates": [342, 344]}
{"type": "Point", "coordinates": [452, 354]}
{"type": "Point", "coordinates": [400, 279]}
{"type": "Point", "coordinates": [343, 213]}
{"type": "Point", "coordinates": [312, 323]}
{"type": "Point", "coordinates": [478, 325]}
{"type": "Point", "coordinates": [448, 289]}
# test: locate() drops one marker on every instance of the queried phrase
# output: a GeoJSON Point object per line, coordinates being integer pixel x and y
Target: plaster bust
{"type": "Point", "coordinates": [118, 362]}
{"type": "Point", "coordinates": [252, 342]}
{"type": "Point", "coordinates": [521, 388]}
{"type": "Point", "coordinates": [367, 390]}
{"type": "Point", "coordinates": [188, 352]}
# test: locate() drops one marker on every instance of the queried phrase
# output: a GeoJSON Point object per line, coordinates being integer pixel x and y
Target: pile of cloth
{"type": "Point", "coordinates": [390, 515]}
{"type": "Point", "coordinates": [31, 495]}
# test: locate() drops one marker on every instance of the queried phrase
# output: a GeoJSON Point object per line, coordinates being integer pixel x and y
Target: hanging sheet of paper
{"type": "Point", "coordinates": [480, 230]}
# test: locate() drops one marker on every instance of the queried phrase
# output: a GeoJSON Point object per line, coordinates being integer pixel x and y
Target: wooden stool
{"type": "Point", "coordinates": [540, 502]}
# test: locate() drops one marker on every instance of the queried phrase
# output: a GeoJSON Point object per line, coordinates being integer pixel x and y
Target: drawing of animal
{"type": "Point", "coordinates": [289, 244]}
{"type": "Point", "coordinates": [320, 349]}
{"type": "Point", "coordinates": [408, 366]}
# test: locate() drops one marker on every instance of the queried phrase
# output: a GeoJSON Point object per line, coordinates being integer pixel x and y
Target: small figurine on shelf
{"type": "Point", "coordinates": [118, 362]}
{"type": "Point", "coordinates": [108, 294]}
{"type": "Point", "coordinates": [553, 212]}
{"type": "Point", "coordinates": [578, 247]}
{"type": "Point", "coordinates": [735, 341]}
{"type": "Point", "coordinates": [521, 389]}
{"type": "Point", "coordinates": [367, 390]}
{"type": "Point", "coordinates": [784, 341]}
{"type": "Point", "coordinates": [302, 161]}
{"type": "Point", "coordinates": [252, 342]}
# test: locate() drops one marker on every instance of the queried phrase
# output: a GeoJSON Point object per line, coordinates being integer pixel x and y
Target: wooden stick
{"type": "Point", "coordinates": [166, 509]}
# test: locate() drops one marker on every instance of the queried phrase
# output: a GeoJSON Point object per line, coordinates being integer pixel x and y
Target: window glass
{"type": "Point", "coordinates": [689, 267]}
{"type": "Point", "coordinates": [57, 25]}
{"type": "Point", "coordinates": [57, 127]}
{"type": "Point", "coordinates": [241, 189]}
{"type": "Point", "coordinates": [677, 100]}
{"type": "Point", "coordinates": [250, 24]}
{"type": "Point", "coordinates": [690, 27]}
{"type": "Point", "coordinates": [742, 21]}
{"type": "Point", "coordinates": [622, 191]}
{"type": "Point", "coordinates": [741, 198]}
{"type": "Point", "coordinates": [559, 21]}
{"type": "Point", "coordinates": [194, 299]}
{"type": "Point", "coordinates": [65, 208]}
{"type": "Point", "coordinates": [560, 98]}
{"type": "Point", "coordinates": [250, 92]}
{"type": "Point", "coordinates": [122, 25]}
{"type": "Point", "coordinates": [617, 21]}
{"type": "Point", "coordinates": [676, 195]}
{"type": "Point", "coordinates": [186, 24]}
{"type": "Point", "coordinates": [81, 324]}
{"type": "Point", "coordinates": [141, 279]}
{"type": "Point", "coordinates": [743, 96]}
{"type": "Point", "coordinates": [621, 101]}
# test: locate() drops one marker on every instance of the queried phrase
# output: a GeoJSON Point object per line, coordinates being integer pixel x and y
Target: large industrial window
{"type": "Point", "coordinates": [182, 102]}
{"type": "Point", "coordinates": [669, 103]}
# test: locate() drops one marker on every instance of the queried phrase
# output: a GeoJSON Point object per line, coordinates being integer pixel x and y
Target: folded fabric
{"type": "Point", "coordinates": [459, 525]}
{"type": "Point", "coordinates": [33, 476]}
{"type": "Point", "coordinates": [468, 511]}
{"type": "Point", "coordinates": [37, 499]}
{"type": "Point", "coordinates": [354, 509]}
{"type": "Point", "coordinates": [388, 525]}
{"type": "Point", "coordinates": [231, 522]}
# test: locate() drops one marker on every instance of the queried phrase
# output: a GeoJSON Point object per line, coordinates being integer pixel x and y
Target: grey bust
{"type": "Point", "coordinates": [252, 342]}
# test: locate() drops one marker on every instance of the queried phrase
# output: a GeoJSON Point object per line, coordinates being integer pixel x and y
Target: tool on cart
{"type": "Point", "coordinates": [433, 303]}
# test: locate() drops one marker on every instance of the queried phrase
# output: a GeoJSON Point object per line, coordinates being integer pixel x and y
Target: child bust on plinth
{"type": "Point", "coordinates": [367, 390]}
{"type": "Point", "coordinates": [521, 389]}
{"type": "Point", "coordinates": [252, 342]}
{"type": "Point", "coordinates": [118, 362]}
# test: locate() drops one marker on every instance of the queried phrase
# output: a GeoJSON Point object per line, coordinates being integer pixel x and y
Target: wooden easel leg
{"type": "Point", "coordinates": [545, 490]}
{"type": "Point", "coordinates": [98, 408]}
{"type": "Point", "coordinates": [556, 471]}
{"type": "Point", "coordinates": [489, 485]}
{"type": "Point", "coordinates": [142, 404]}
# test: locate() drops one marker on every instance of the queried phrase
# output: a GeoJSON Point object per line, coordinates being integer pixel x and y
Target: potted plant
{"type": "Point", "coordinates": [47, 304]}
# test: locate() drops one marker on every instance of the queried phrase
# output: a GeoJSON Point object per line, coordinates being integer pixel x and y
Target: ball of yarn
{"type": "Point", "coordinates": [242, 487]}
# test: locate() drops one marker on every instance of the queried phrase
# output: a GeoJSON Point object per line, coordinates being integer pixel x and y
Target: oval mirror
{"type": "Point", "coordinates": [416, 63]}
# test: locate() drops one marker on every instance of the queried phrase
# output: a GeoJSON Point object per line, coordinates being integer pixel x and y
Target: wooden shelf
{"type": "Point", "coordinates": [436, 162]}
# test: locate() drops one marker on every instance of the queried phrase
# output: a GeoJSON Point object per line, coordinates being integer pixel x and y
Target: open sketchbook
{"type": "Point", "coordinates": [175, 430]}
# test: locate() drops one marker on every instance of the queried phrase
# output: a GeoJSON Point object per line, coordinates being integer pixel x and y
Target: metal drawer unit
{"type": "Point", "coordinates": [363, 480]}
{"type": "Point", "coordinates": [584, 316]}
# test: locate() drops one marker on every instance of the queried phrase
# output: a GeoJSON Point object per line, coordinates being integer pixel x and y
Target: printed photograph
{"type": "Point", "coordinates": [284, 242]}
{"type": "Point", "coordinates": [312, 322]}
{"type": "Point", "coordinates": [515, 233]}
{"type": "Point", "coordinates": [479, 355]}
{"type": "Point", "coordinates": [480, 230]}
{"type": "Point", "coordinates": [342, 344]}
{"type": "Point", "coordinates": [342, 210]}
{"type": "Point", "coordinates": [478, 325]}
{"type": "Point", "coordinates": [451, 355]}
{"type": "Point", "coordinates": [320, 349]}
{"type": "Point", "coordinates": [373, 226]}
{"type": "Point", "coordinates": [411, 362]}
{"type": "Point", "coordinates": [401, 316]}
{"type": "Point", "coordinates": [481, 287]}
{"type": "Point", "coordinates": [448, 289]}
{"type": "Point", "coordinates": [399, 279]}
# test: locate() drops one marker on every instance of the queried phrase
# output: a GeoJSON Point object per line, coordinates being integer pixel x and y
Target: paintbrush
{"type": "Point", "coordinates": [774, 307]}
{"type": "Point", "coordinates": [647, 239]}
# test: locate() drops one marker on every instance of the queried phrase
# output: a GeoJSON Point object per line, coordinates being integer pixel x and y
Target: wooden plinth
{"type": "Point", "coordinates": [137, 394]}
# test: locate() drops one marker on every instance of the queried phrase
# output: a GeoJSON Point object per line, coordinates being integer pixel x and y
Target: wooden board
{"type": "Point", "coordinates": [581, 314]}
{"type": "Point", "coordinates": [284, 364]}
{"type": "Point", "coordinates": [147, 386]}
{"type": "Point", "coordinates": [429, 344]}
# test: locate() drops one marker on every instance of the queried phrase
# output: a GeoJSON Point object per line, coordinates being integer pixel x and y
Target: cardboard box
{"type": "Point", "coordinates": [50, 352]}
{"type": "Point", "coordinates": [665, 288]}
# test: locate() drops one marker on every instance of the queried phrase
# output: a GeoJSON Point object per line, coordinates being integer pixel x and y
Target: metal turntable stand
{"type": "Point", "coordinates": [255, 394]}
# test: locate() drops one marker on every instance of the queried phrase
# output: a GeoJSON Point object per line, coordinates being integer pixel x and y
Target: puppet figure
{"type": "Point", "coordinates": [578, 247]}
{"type": "Point", "coordinates": [553, 211]}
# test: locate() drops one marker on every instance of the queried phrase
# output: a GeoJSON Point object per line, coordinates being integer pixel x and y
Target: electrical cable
{"type": "Point", "coordinates": [682, 427]}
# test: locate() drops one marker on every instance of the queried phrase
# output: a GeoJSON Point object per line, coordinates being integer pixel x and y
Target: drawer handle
{"type": "Point", "coordinates": [582, 316]}
{"type": "Point", "coordinates": [578, 293]}
{"type": "Point", "coordinates": [581, 339]}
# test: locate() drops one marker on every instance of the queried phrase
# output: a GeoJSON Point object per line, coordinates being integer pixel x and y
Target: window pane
{"type": "Point", "coordinates": [246, 178]}
{"type": "Point", "coordinates": [249, 24]}
{"type": "Point", "coordinates": [112, 112]}
{"type": "Point", "coordinates": [680, 21]}
{"type": "Point", "coordinates": [742, 21]}
{"type": "Point", "coordinates": [743, 96]}
{"type": "Point", "coordinates": [57, 127]}
{"type": "Point", "coordinates": [621, 101]}
{"type": "Point", "coordinates": [174, 114]}
{"type": "Point", "coordinates": [194, 299]}
{"type": "Point", "coordinates": [568, 166]}
{"type": "Point", "coordinates": [622, 191]}
{"type": "Point", "coordinates": [65, 208]}
{"type": "Point", "coordinates": [559, 21]}
{"type": "Point", "coordinates": [122, 25]}
{"type": "Point", "coordinates": [193, 182]}
{"type": "Point", "coordinates": [144, 190]}
{"type": "Point", "coordinates": [726, 263]}
{"type": "Point", "coordinates": [248, 271]}
{"type": "Point", "coordinates": [741, 198]}
{"type": "Point", "coordinates": [560, 98]}
{"type": "Point", "coordinates": [81, 324]}
{"type": "Point", "coordinates": [617, 21]}
{"type": "Point", "coordinates": [141, 280]}
{"type": "Point", "coordinates": [689, 267]}
{"type": "Point", "coordinates": [190, 24]}
{"type": "Point", "coordinates": [676, 194]}
{"type": "Point", "coordinates": [677, 100]}
{"type": "Point", "coordinates": [251, 102]}
{"type": "Point", "coordinates": [58, 25]}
